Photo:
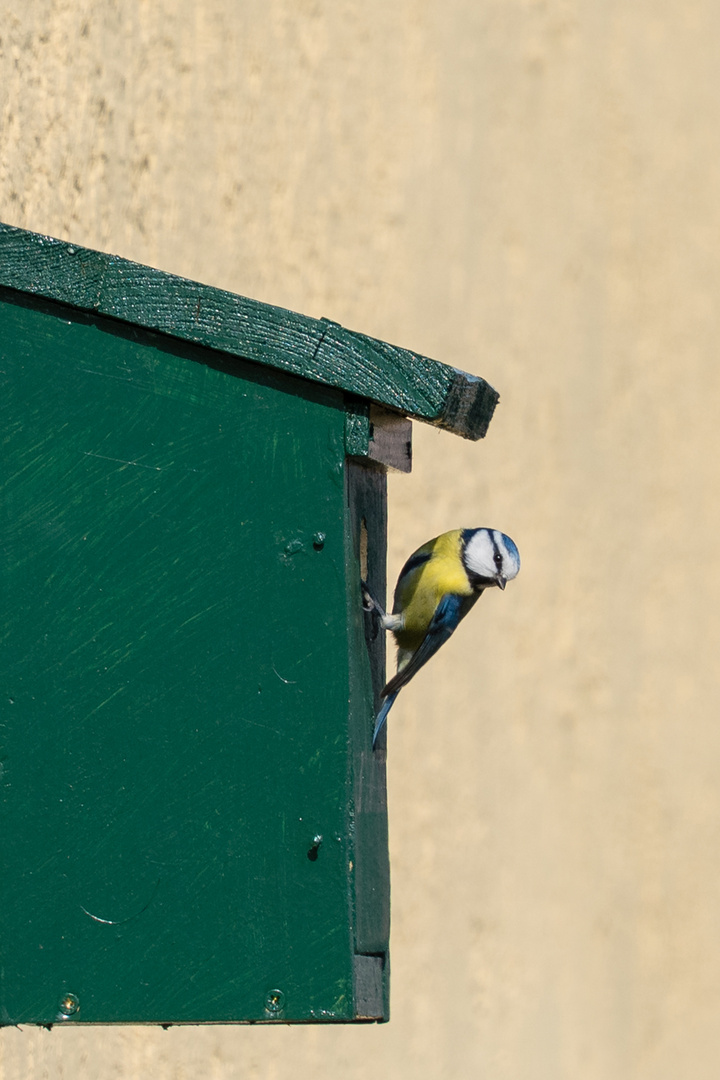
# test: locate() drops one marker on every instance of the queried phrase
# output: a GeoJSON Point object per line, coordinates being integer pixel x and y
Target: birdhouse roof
{"type": "Point", "coordinates": [316, 349]}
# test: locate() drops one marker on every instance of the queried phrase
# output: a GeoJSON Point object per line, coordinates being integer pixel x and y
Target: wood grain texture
{"type": "Point", "coordinates": [315, 349]}
{"type": "Point", "coordinates": [391, 441]}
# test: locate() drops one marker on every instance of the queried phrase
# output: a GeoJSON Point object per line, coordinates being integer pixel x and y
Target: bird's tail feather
{"type": "Point", "coordinates": [382, 716]}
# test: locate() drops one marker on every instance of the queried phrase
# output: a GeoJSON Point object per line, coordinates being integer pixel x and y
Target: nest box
{"type": "Point", "coordinates": [193, 822]}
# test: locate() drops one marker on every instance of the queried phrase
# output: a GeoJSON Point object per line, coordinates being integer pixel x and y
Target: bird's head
{"type": "Point", "coordinates": [489, 557]}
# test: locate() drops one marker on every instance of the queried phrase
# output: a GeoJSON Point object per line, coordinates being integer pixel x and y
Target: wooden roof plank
{"type": "Point", "coordinates": [316, 349]}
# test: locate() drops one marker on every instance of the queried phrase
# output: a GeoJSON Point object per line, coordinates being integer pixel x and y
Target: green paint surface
{"type": "Point", "coordinates": [177, 667]}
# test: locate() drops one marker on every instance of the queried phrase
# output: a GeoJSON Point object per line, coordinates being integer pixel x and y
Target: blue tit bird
{"type": "Point", "coordinates": [437, 586]}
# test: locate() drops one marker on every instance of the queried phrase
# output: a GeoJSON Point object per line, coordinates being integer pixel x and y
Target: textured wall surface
{"type": "Point", "coordinates": [527, 189]}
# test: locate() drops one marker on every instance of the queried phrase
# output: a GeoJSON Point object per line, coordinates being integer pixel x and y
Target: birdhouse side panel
{"type": "Point", "coordinates": [175, 833]}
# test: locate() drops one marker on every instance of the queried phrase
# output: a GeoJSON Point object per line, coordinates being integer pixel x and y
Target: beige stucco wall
{"type": "Point", "coordinates": [528, 189]}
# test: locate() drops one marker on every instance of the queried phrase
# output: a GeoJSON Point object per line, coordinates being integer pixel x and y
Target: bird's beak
{"type": "Point", "coordinates": [501, 581]}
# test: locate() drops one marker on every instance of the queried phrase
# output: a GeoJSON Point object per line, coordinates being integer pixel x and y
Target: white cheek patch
{"type": "Point", "coordinates": [479, 554]}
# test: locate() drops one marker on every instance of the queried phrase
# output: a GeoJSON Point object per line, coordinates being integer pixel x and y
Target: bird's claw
{"type": "Point", "coordinates": [368, 601]}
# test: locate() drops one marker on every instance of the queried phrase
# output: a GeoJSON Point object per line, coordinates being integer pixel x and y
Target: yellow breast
{"type": "Point", "coordinates": [420, 589]}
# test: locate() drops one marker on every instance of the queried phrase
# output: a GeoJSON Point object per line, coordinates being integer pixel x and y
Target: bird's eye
{"type": "Point", "coordinates": [498, 559]}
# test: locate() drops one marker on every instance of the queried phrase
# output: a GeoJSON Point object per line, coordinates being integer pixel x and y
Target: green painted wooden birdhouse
{"type": "Point", "coordinates": [193, 822]}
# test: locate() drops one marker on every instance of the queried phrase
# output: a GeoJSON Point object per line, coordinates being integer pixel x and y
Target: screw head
{"type": "Point", "coordinates": [68, 1004]}
{"type": "Point", "coordinates": [274, 1002]}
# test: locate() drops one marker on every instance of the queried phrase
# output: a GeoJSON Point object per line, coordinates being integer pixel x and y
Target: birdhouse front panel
{"type": "Point", "coordinates": [186, 832]}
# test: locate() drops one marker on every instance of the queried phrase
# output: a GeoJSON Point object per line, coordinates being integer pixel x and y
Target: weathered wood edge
{"type": "Point", "coordinates": [316, 349]}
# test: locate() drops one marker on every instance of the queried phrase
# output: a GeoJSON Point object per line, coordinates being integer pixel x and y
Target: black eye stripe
{"type": "Point", "coordinates": [497, 557]}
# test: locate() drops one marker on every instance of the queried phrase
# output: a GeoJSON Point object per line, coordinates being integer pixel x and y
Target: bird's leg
{"type": "Point", "coordinates": [387, 622]}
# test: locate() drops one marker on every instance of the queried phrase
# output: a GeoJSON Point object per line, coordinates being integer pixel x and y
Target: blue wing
{"type": "Point", "coordinates": [447, 615]}
{"type": "Point", "coordinates": [382, 716]}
